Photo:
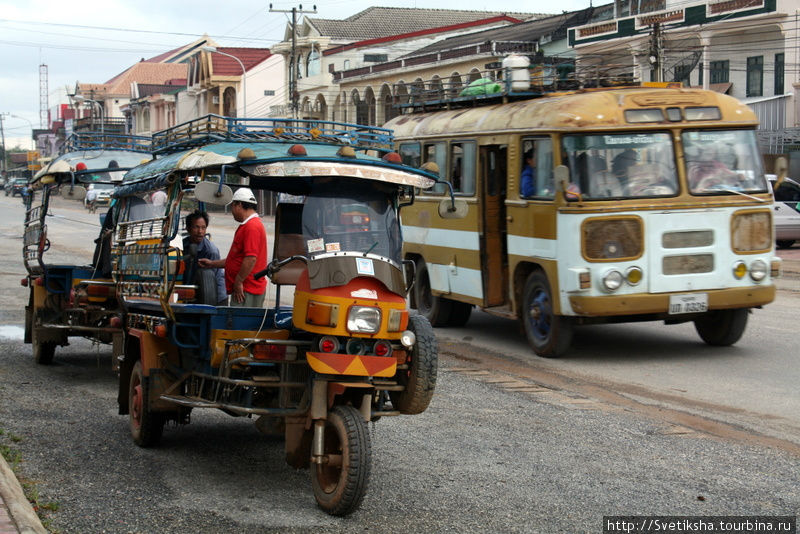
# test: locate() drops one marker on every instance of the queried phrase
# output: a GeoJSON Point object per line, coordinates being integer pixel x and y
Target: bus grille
{"type": "Point", "coordinates": [688, 264]}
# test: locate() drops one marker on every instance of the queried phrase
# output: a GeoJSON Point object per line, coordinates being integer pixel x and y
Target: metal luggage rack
{"type": "Point", "coordinates": [143, 229]}
{"type": "Point", "coordinates": [103, 141]}
{"type": "Point", "coordinates": [545, 76]}
{"type": "Point", "coordinates": [215, 128]}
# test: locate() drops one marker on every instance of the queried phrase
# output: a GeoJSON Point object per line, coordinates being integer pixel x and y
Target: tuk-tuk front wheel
{"type": "Point", "coordinates": [340, 481]}
{"type": "Point", "coordinates": [423, 366]}
{"type": "Point", "coordinates": [146, 426]}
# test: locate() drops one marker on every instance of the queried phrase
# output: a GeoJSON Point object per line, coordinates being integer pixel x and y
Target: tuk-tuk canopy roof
{"type": "Point", "coordinates": [96, 161]}
{"type": "Point", "coordinates": [276, 148]}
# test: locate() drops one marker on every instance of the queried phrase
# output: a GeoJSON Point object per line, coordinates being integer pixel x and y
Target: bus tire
{"type": "Point", "coordinates": [146, 426]}
{"type": "Point", "coordinates": [785, 243]}
{"type": "Point", "coordinates": [423, 365]}
{"type": "Point", "coordinates": [459, 313]}
{"type": "Point", "coordinates": [549, 335]}
{"type": "Point", "coordinates": [722, 328]}
{"type": "Point", "coordinates": [340, 482]}
{"type": "Point", "coordinates": [434, 309]}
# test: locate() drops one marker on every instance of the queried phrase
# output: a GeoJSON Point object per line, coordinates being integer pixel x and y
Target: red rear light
{"type": "Point", "coordinates": [39, 281]}
{"type": "Point", "coordinates": [24, 282]}
{"type": "Point", "coordinates": [98, 290]}
{"type": "Point", "coordinates": [269, 352]}
{"type": "Point", "coordinates": [115, 322]}
{"type": "Point", "coordinates": [382, 348]}
{"type": "Point", "coordinates": [185, 293]}
{"type": "Point", "coordinates": [160, 330]}
{"type": "Point", "coordinates": [329, 344]}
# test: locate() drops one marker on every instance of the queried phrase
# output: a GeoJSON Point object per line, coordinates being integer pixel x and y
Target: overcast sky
{"type": "Point", "coordinates": [91, 41]}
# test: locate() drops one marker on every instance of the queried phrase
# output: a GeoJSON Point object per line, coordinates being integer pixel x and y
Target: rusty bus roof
{"type": "Point", "coordinates": [602, 109]}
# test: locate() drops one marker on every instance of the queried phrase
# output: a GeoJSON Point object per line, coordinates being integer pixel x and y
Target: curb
{"type": "Point", "coordinates": [21, 511]}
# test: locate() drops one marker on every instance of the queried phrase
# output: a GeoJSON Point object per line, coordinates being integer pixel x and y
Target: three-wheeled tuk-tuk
{"type": "Point", "coordinates": [345, 353]}
{"type": "Point", "coordinates": [65, 299]}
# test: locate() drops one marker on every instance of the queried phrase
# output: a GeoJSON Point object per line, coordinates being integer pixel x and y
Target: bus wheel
{"type": "Point", "coordinates": [459, 313]}
{"type": "Point", "coordinates": [340, 482]}
{"type": "Point", "coordinates": [435, 309]}
{"type": "Point", "coordinates": [722, 328]}
{"type": "Point", "coordinates": [785, 243]}
{"type": "Point", "coordinates": [423, 365]}
{"type": "Point", "coordinates": [146, 426]}
{"type": "Point", "coordinates": [549, 335]}
{"type": "Point", "coordinates": [43, 351]}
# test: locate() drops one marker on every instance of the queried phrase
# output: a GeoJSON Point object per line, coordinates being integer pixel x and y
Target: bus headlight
{"type": "Point", "coordinates": [364, 319]}
{"type": "Point", "coordinates": [739, 270]}
{"type": "Point", "coordinates": [758, 270]}
{"type": "Point", "coordinates": [633, 275]}
{"type": "Point", "coordinates": [751, 231]}
{"type": "Point", "coordinates": [612, 280]}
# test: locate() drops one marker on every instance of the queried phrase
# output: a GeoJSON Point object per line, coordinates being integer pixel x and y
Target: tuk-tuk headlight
{"type": "Point", "coordinates": [364, 319]}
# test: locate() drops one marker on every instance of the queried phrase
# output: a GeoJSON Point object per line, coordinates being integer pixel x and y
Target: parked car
{"type": "Point", "coordinates": [787, 216]}
{"type": "Point", "coordinates": [101, 196]}
{"type": "Point", "coordinates": [14, 187]}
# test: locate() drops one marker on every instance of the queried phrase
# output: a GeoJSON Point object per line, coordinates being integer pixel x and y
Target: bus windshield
{"type": "Point", "coordinates": [360, 220]}
{"type": "Point", "coordinates": [720, 161]}
{"type": "Point", "coordinates": [626, 165]}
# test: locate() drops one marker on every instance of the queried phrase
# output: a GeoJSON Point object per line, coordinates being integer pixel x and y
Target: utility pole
{"type": "Point", "coordinates": [294, 94]}
{"type": "Point", "coordinates": [5, 148]}
{"type": "Point", "coordinates": [656, 52]}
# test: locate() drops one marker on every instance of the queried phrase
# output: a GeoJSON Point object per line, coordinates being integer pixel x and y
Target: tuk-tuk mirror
{"type": "Point", "coordinates": [73, 192]}
{"type": "Point", "coordinates": [453, 209]}
{"type": "Point", "coordinates": [212, 193]}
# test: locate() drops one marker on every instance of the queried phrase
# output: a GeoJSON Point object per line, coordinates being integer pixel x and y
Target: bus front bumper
{"type": "Point", "coordinates": [718, 299]}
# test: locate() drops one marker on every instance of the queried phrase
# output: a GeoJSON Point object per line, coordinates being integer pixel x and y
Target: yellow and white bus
{"type": "Point", "coordinates": [593, 206]}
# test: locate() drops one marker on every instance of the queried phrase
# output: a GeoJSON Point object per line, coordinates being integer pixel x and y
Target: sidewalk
{"type": "Point", "coordinates": [16, 513]}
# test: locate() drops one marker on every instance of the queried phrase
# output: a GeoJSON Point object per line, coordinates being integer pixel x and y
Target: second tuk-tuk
{"type": "Point", "coordinates": [66, 299]}
{"type": "Point", "coordinates": [345, 352]}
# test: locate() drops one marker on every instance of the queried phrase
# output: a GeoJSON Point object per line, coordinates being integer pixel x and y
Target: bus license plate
{"type": "Point", "coordinates": [690, 303]}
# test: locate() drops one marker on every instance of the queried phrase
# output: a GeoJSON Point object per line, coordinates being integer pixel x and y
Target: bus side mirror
{"type": "Point", "coordinates": [453, 209]}
{"type": "Point", "coordinates": [781, 168]}
{"type": "Point", "coordinates": [73, 192]}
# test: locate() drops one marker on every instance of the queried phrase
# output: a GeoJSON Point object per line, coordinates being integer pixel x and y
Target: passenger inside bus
{"type": "Point", "coordinates": [706, 172]}
{"type": "Point", "coordinates": [528, 176]}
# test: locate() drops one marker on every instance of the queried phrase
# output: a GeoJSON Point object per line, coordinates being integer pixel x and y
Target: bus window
{"type": "Point", "coordinates": [437, 153]}
{"type": "Point", "coordinates": [462, 171]}
{"type": "Point", "coordinates": [723, 160]}
{"type": "Point", "coordinates": [410, 154]}
{"type": "Point", "coordinates": [536, 176]}
{"type": "Point", "coordinates": [641, 165]}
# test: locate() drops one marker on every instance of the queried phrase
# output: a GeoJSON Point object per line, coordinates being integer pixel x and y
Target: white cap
{"type": "Point", "coordinates": [243, 194]}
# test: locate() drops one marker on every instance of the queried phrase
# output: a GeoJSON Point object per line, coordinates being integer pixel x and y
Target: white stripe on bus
{"type": "Point", "coordinates": [531, 246]}
{"type": "Point", "coordinates": [457, 280]}
{"type": "Point", "coordinates": [438, 237]}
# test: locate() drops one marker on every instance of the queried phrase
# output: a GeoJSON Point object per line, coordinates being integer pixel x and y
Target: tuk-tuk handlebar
{"type": "Point", "coordinates": [275, 265]}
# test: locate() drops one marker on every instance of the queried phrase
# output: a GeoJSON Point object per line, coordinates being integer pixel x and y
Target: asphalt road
{"type": "Point", "coordinates": [511, 442]}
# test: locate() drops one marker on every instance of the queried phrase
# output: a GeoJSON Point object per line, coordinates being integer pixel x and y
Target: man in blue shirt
{"type": "Point", "coordinates": [528, 176]}
{"type": "Point", "coordinates": [196, 225]}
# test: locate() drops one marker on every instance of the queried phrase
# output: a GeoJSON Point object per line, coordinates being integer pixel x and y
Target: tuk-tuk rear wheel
{"type": "Point", "coordinates": [43, 351]}
{"type": "Point", "coordinates": [146, 426]}
{"type": "Point", "coordinates": [341, 481]}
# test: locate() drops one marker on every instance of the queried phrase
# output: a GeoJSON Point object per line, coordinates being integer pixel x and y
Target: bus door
{"type": "Point", "coordinates": [494, 256]}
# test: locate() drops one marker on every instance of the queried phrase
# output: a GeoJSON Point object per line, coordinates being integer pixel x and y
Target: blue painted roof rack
{"type": "Point", "coordinates": [101, 141]}
{"type": "Point", "coordinates": [218, 129]}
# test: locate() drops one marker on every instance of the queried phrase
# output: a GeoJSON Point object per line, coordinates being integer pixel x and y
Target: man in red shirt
{"type": "Point", "coordinates": [248, 253]}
